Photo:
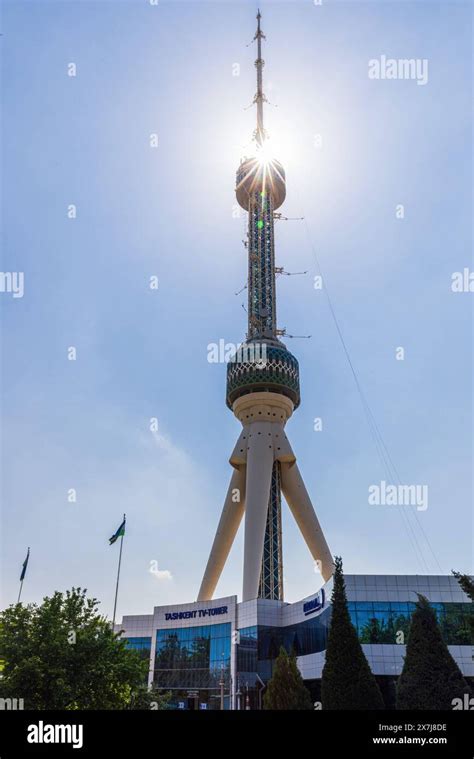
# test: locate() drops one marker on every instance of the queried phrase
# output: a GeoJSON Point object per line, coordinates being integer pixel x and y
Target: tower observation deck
{"type": "Point", "coordinates": [263, 389]}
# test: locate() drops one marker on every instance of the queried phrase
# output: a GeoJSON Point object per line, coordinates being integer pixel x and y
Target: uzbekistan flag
{"type": "Point", "coordinates": [118, 534]}
{"type": "Point", "coordinates": [25, 564]}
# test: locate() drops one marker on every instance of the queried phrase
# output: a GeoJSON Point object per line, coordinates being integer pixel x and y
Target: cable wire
{"type": "Point", "coordinates": [380, 445]}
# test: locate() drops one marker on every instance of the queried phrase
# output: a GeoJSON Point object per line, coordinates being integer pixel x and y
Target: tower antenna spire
{"type": "Point", "coordinates": [259, 98]}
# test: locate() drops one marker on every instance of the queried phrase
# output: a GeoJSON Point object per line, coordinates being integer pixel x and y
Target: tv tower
{"type": "Point", "coordinates": [263, 391]}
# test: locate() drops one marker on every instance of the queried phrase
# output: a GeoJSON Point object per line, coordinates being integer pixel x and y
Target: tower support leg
{"type": "Point", "coordinates": [302, 509]}
{"type": "Point", "coordinates": [260, 458]}
{"type": "Point", "coordinates": [232, 513]}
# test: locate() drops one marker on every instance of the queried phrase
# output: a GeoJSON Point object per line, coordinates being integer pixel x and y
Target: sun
{"type": "Point", "coordinates": [264, 153]}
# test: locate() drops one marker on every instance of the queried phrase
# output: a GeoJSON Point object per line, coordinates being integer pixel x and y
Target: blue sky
{"type": "Point", "coordinates": [168, 211]}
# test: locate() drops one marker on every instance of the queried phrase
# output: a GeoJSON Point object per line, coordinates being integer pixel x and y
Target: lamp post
{"type": "Point", "coordinates": [260, 691]}
{"type": "Point", "coordinates": [238, 694]}
{"type": "Point", "coordinates": [222, 683]}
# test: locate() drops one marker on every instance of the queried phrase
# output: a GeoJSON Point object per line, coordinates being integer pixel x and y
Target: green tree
{"type": "Point", "coordinates": [62, 654]}
{"type": "Point", "coordinates": [286, 689]}
{"type": "Point", "coordinates": [466, 583]}
{"type": "Point", "coordinates": [456, 625]}
{"type": "Point", "coordinates": [430, 678]}
{"type": "Point", "coordinates": [347, 681]}
{"type": "Point", "coordinates": [372, 632]}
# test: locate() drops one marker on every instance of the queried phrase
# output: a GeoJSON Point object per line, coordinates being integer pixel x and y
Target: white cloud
{"type": "Point", "coordinates": [160, 574]}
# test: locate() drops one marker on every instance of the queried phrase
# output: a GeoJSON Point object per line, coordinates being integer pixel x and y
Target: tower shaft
{"type": "Point", "coordinates": [262, 326]}
{"type": "Point", "coordinates": [261, 267]}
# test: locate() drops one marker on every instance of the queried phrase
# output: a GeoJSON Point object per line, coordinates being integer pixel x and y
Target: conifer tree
{"type": "Point", "coordinates": [466, 583]}
{"type": "Point", "coordinates": [286, 689]}
{"type": "Point", "coordinates": [430, 678]}
{"type": "Point", "coordinates": [347, 681]}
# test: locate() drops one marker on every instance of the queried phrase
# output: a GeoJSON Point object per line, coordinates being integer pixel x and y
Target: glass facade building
{"type": "Point", "coordinates": [193, 658]}
{"type": "Point", "coordinates": [221, 653]}
{"type": "Point", "coordinates": [141, 645]}
{"type": "Point", "coordinates": [375, 622]}
{"type": "Point", "coordinates": [380, 621]}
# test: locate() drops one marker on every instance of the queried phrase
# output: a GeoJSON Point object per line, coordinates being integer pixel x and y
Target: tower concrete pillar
{"type": "Point", "coordinates": [302, 509]}
{"type": "Point", "coordinates": [259, 476]}
{"type": "Point", "coordinates": [232, 513]}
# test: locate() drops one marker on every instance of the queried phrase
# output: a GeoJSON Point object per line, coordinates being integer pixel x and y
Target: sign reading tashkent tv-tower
{"type": "Point", "coordinates": [263, 394]}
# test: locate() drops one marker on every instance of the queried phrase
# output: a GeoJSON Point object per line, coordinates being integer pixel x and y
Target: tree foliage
{"type": "Point", "coordinates": [286, 689]}
{"type": "Point", "coordinates": [62, 654]}
{"type": "Point", "coordinates": [430, 678]}
{"type": "Point", "coordinates": [347, 681]}
{"type": "Point", "coordinates": [466, 583]}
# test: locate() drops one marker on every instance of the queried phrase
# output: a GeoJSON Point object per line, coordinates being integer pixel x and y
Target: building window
{"type": "Point", "coordinates": [247, 650]}
{"type": "Point", "coordinates": [193, 657]}
{"type": "Point", "coordinates": [379, 622]}
{"type": "Point", "coordinates": [375, 622]}
{"type": "Point", "coordinates": [141, 645]}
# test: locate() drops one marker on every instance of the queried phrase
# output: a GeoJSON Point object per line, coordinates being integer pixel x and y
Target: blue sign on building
{"type": "Point", "coordinates": [316, 604]}
{"type": "Point", "coordinates": [196, 613]}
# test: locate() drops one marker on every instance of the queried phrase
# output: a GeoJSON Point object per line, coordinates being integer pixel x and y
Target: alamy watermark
{"type": "Point", "coordinates": [399, 68]}
{"type": "Point", "coordinates": [465, 703]}
{"type": "Point", "coordinates": [46, 733]}
{"type": "Point", "coordinates": [12, 704]}
{"type": "Point", "coordinates": [245, 353]}
{"type": "Point", "coordinates": [399, 495]}
{"type": "Point", "coordinates": [462, 281]}
{"type": "Point", "coordinates": [12, 282]}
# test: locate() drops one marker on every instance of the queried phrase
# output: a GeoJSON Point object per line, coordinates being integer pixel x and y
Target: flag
{"type": "Point", "coordinates": [25, 564]}
{"type": "Point", "coordinates": [118, 534]}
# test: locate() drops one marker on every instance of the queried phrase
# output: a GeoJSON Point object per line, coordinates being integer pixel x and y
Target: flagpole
{"type": "Point", "coordinates": [23, 573]}
{"type": "Point", "coordinates": [118, 577]}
